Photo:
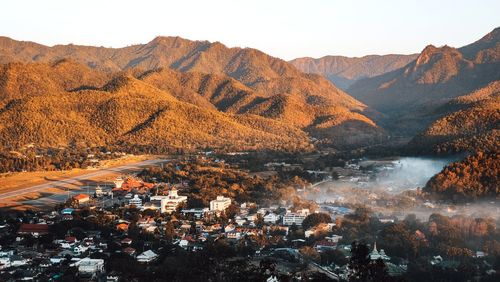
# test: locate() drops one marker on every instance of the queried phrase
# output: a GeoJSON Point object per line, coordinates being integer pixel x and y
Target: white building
{"type": "Point", "coordinates": [90, 266]}
{"type": "Point", "coordinates": [136, 201]}
{"type": "Point", "coordinates": [118, 182]}
{"type": "Point", "coordinates": [147, 256]}
{"type": "Point", "coordinates": [375, 255]}
{"type": "Point", "coordinates": [169, 203]}
{"type": "Point", "coordinates": [271, 218]}
{"type": "Point", "coordinates": [196, 212]}
{"type": "Point", "coordinates": [291, 218]}
{"type": "Point", "coordinates": [220, 204]}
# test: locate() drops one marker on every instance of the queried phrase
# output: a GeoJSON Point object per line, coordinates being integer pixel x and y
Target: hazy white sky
{"type": "Point", "coordinates": [285, 29]}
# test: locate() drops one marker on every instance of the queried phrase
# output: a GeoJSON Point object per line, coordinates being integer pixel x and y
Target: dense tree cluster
{"type": "Point", "coordinates": [207, 179]}
{"type": "Point", "coordinates": [51, 159]}
{"type": "Point", "coordinates": [474, 177]}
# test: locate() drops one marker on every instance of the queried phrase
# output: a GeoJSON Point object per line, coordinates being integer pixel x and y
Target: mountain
{"type": "Point", "coordinates": [412, 93]}
{"type": "Point", "coordinates": [468, 123]}
{"type": "Point", "coordinates": [40, 107]}
{"type": "Point", "coordinates": [344, 71]}
{"type": "Point", "coordinates": [230, 80]}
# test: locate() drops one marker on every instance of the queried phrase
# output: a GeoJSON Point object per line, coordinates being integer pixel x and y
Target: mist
{"type": "Point", "coordinates": [389, 187]}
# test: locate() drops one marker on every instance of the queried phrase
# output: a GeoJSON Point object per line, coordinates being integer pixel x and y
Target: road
{"type": "Point", "coordinates": [79, 178]}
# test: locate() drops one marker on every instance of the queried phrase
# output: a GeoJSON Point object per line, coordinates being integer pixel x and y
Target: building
{"type": "Point", "coordinates": [320, 228]}
{"type": "Point", "coordinates": [81, 198]}
{"type": "Point", "coordinates": [147, 256]}
{"type": "Point", "coordinates": [118, 182]}
{"type": "Point", "coordinates": [34, 230]}
{"type": "Point", "coordinates": [90, 266]}
{"type": "Point", "coordinates": [67, 211]}
{"type": "Point", "coordinates": [271, 218]}
{"type": "Point", "coordinates": [325, 245]}
{"type": "Point", "coordinates": [196, 212]}
{"type": "Point", "coordinates": [291, 218]}
{"type": "Point", "coordinates": [220, 204]}
{"type": "Point", "coordinates": [375, 255]}
{"type": "Point", "coordinates": [136, 201]}
{"type": "Point", "coordinates": [169, 203]}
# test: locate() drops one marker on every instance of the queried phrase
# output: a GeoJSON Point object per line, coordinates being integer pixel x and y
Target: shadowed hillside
{"type": "Point", "coordinates": [344, 71]}
{"type": "Point", "coordinates": [413, 93]}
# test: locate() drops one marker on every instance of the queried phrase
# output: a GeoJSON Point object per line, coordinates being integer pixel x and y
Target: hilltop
{"type": "Point", "coordinates": [412, 93]}
{"type": "Point", "coordinates": [123, 111]}
{"type": "Point", "coordinates": [230, 80]}
{"type": "Point", "coordinates": [344, 71]}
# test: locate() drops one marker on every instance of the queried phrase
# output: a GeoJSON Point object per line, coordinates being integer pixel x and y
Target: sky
{"type": "Point", "coordinates": [282, 28]}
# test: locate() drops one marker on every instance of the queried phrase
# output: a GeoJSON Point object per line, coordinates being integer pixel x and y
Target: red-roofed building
{"type": "Point", "coordinates": [129, 251]}
{"type": "Point", "coordinates": [126, 241]}
{"type": "Point", "coordinates": [81, 198]}
{"type": "Point", "coordinates": [33, 229]}
{"type": "Point", "coordinates": [122, 226]}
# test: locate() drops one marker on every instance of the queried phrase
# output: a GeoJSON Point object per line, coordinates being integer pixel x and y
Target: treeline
{"type": "Point", "coordinates": [207, 179]}
{"type": "Point", "coordinates": [52, 159]}
{"type": "Point", "coordinates": [476, 176]}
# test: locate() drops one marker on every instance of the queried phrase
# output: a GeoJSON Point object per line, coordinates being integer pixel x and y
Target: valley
{"type": "Point", "coordinates": [194, 160]}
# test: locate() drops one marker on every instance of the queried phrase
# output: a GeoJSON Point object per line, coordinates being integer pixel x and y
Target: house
{"type": "Point", "coordinates": [129, 251]}
{"type": "Point", "coordinates": [251, 217]}
{"type": "Point", "coordinates": [229, 228]}
{"type": "Point", "coordinates": [196, 212]}
{"type": "Point", "coordinates": [436, 260]}
{"type": "Point", "coordinates": [271, 218]}
{"type": "Point", "coordinates": [33, 229]}
{"type": "Point", "coordinates": [67, 211]}
{"type": "Point", "coordinates": [334, 238]}
{"type": "Point", "coordinates": [480, 254]}
{"type": "Point", "coordinates": [221, 203]}
{"type": "Point", "coordinates": [147, 256]}
{"type": "Point", "coordinates": [240, 221]}
{"type": "Point", "coordinates": [291, 218]}
{"type": "Point", "coordinates": [81, 198]}
{"type": "Point", "coordinates": [135, 201]}
{"type": "Point", "coordinates": [322, 227]}
{"type": "Point", "coordinates": [126, 241]}
{"type": "Point", "coordinates": [325, 245]}
{"type": "Point", "coordinates": [90, 266]}
{"type": "Point", "coordinates": [233, 235]}
{"type": "Point", "coordinates": [122, 226]}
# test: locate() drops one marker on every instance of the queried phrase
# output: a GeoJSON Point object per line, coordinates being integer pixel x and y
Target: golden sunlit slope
{"type": "Point", "coordinates": [213, 76]}
{"type": "Point", "coordinates": [289, 101]}
{"type": "Point", "coordinates": [129, 111]}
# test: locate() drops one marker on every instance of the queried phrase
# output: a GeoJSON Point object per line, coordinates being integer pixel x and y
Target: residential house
{"type": "Point", "coordinates": [147, 256]}
{"type": "Point", "coordinates": [33, 229]}
{"type": "Point", "coordinates": [81, 198]}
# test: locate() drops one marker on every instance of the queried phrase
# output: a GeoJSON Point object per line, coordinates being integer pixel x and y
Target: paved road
{"type": "Point", "coordinates": [72, 180]}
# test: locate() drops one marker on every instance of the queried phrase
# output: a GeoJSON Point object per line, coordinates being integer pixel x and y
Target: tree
{"type": "Point", "coordinates": [362, 268]}
{"type": "Point", "coordinates": [359, 262]}
{"type": "Point", "coordinates": [315, 219]}
{"type": "Point", "coordinates": [169, 231]}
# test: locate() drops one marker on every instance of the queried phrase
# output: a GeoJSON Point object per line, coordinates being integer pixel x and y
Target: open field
{"type": "Point", "coordinates": [37, 189]}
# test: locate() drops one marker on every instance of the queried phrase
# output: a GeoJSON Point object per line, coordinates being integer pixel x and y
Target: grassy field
{"type": "Point", "coordinates": [19, 180]}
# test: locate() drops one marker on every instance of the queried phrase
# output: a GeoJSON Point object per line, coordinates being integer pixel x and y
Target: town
{"type": "Point", "coordinates": [205, 219]}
